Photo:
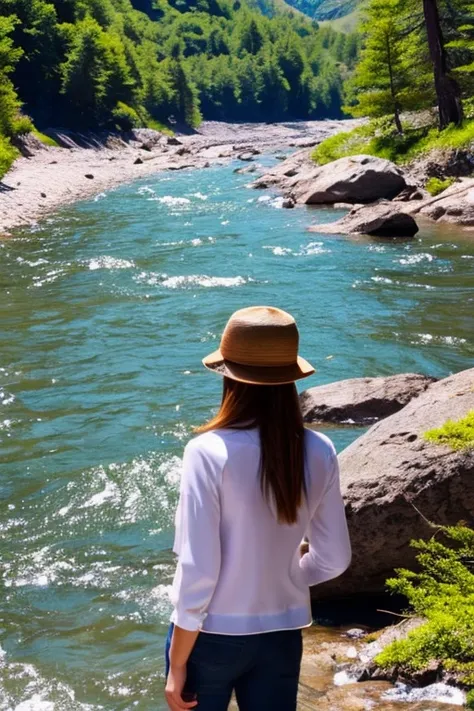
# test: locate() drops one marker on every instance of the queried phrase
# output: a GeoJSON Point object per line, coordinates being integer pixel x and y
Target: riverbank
{"type": "Point", "coordinates": [108, 308]}
{"type": "Point", "coordinates": [51, 177]}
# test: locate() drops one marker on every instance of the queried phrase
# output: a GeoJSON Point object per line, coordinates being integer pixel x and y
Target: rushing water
{"type": "Point", "coordinates": [106, 310]}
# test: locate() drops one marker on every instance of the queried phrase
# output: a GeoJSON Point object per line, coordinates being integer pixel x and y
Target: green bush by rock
{"type": "Point", "coordinates": [457, 435]}
{"type": "Point", "coordinates": [435, 186]}
{"type": "Point", "coordinates": [7, 155]}
{"type": "Point", "coordinates": [443, 594]}
{"type": "Point", "coordinates": [379, 138]}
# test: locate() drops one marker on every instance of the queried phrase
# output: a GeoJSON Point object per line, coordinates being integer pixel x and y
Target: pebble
{"type": "Point", "coordinates": [351, 653]}
{"type": "Point", "coordinates": [354, 633]}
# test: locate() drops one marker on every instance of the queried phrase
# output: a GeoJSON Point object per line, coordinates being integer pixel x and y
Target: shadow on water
{"type": "Point", "coordinates": [365, 611]}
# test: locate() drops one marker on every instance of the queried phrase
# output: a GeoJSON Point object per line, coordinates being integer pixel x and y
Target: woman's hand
{"type": "Point", "coordinates": [174, 690]}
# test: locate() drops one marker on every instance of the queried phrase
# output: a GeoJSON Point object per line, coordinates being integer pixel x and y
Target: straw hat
{"type": "Point", "coordinates": [260, 346]}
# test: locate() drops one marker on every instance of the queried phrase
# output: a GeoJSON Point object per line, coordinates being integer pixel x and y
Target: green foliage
{"type": "Point", "coordinates": [11, 123]}
{"type": "Point", "coordinates": [394, 73]}
{"type": "Point", "coordinates": [379, 138]}
{"type": "Point", "coordinates": [47, 140]}
{"type": "Point", "coordinates": [470, 699]}
{"type": "Point", "coordinates": [435, 186]}
{"type": "Point", "coordinates": [157, 126]}
{"type": "Point", "coordinates": [125, 117]}
{"type": "Point", "coordinates": [79, 63]}
{"type": "Point", "coordinates": [457, 435]}
{"type": "Point", "coordinates": [443, 594]}
{"type": "Point", "coordinates": [7, 155]}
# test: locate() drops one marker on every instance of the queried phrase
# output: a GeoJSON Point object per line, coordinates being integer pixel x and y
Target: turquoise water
{"type": "Point", "coordinates": [106, 310]}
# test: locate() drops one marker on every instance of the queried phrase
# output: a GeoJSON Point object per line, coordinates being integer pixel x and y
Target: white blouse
{"type": "Point", "coordinates": [239, 570]}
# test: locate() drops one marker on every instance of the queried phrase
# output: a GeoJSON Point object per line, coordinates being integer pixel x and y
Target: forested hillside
{"type": "Point", "coordinates": [414, 79]}
{"type": "Point", "coordinates": [325, 9]}
{"type": "Point", "coordinates": [92, 63]}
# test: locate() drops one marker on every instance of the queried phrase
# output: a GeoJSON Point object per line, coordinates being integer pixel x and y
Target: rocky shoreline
{"type": "Point", "coordinates": [398, 486]}
{"type": "Point", "coordinates": [46, 178]}
{"type": "Point", "coordinates": [395, 483]}
{"type": "Point", "coordinates": [381, 198]}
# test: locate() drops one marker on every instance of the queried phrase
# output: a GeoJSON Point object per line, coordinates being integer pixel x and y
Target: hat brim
{"type": "Point", "coordinates": [258, 375]}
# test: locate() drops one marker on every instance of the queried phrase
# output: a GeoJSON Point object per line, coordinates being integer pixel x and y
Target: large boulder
{"type": "Point", "coordinates": [297, 168]}
{"type": "Point", "coordinates": [454, 205]}
{"type": "Point", "coordinates": [361, 400]}
{"type": "Point", "coordinates": [384, 219]}
{"type": "Point", "coordinates": [358, 179]}
{"type": "Point", "coordinates": [355, 179]}
{"type": "Point", "coordinates": [395, 482]}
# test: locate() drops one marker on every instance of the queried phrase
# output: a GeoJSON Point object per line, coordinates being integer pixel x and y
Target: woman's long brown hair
{"type": "Point", "coordinates": [275, 411]}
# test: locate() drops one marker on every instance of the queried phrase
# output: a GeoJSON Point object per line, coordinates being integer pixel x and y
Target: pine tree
{"type": "Point", "coordinates": [382, 76]}
{"type": "Point", "coordinates": [9, 56]}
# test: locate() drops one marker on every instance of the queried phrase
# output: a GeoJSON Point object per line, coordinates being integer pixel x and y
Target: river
{"type": "Point", "coordinates": [106, 310]}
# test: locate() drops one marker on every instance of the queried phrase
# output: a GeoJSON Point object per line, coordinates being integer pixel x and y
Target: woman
{"type": "Point", "coordinates": [254, 483]}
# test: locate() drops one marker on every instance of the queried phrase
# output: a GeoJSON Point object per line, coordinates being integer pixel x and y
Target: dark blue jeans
{"type": "Point", "coordinates": [262, 669]}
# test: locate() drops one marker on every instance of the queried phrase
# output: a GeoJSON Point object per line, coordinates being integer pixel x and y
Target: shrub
{"type": "Point", "coordinates": [157, 126]}
{"type": "Point", "coordinates": [379, 138]}
{"type": "Point", "coordinates": [7, 155]}
{"type": "Point", "coordinates": [47, 140]}
{"type": "Point", "coordinates": [458, 435]}
{"type": "Point", "coordinates": [435, 186]}
{"type": "Point", "coordinates": [125, 118]}
{"type": "Point", "coordinates": [21, 125]}
{"type": "Point", "coordinates": [470, 699]}
{"type": "Point", "coordinates": [443, 594]}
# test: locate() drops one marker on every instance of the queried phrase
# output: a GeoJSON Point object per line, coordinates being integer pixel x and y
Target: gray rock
{"type": "Point", "coordinates": [358, 179]}
{"type": "Point", "coordinates": [361, 400]}
{"type": "Point", "coordinates": [394, 482]}
{"type": "Point", "coordinates": [288, 203]}
{"type": "Point", "coordinates": [245, 170]}
{"type": "Point", "coordinates": [247, 157]}
{"type": "Point", "coordinates": [355, 633]}
{"type": "Point", "coordinates": [246, 149]}
{"type": "Point", "coordinates": [148, 138]}
{"type": "Point", "coordinates": [454, 205]}
{"type": "Point", "coordinates": [213, 152]}
{"type": "Point", "coordinates": [355, 179]}
{"type": "Point", "coordinates": [28, 144]}
{"type": "Point", "coordinates": [384, 219]}
{"type": "Point", "coordinates": [181, 151]}
{"type": "Point", "coordinates": [343, 206]}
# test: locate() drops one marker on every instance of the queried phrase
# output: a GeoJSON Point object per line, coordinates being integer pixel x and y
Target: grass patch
{"type": "Point", "coordinates": [443, 594]}
{"type": "Point", "coordinates": [47, 140]}
{"type": "Point", "coordinates": [8, 154]}
{"type": "Point", "coordinates": [379, 138]}
{"type": "Point", "coordinates": [346, 24]}
{"type": "Point", "coordinates": [157, 126]}
{"type": "Point", "coordinates": [435, 186]}
{"type": "Point", "coordinates": [457, 435]}
{"type": "Point", "coordinates": [470, 699]}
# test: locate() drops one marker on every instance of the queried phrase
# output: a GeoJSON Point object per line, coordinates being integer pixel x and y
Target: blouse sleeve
{"type": "Point", "coordinates": [329, 552]}
{"type": "Point", "coordinates": [197, 541]}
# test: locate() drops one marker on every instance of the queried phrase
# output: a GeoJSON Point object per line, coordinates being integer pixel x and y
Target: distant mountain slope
{"type": "Point", "coordinates": [325, 9]}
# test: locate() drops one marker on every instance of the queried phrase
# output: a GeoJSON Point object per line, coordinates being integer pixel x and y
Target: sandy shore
{"type": "Point", "coordinates": [53, 177]}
